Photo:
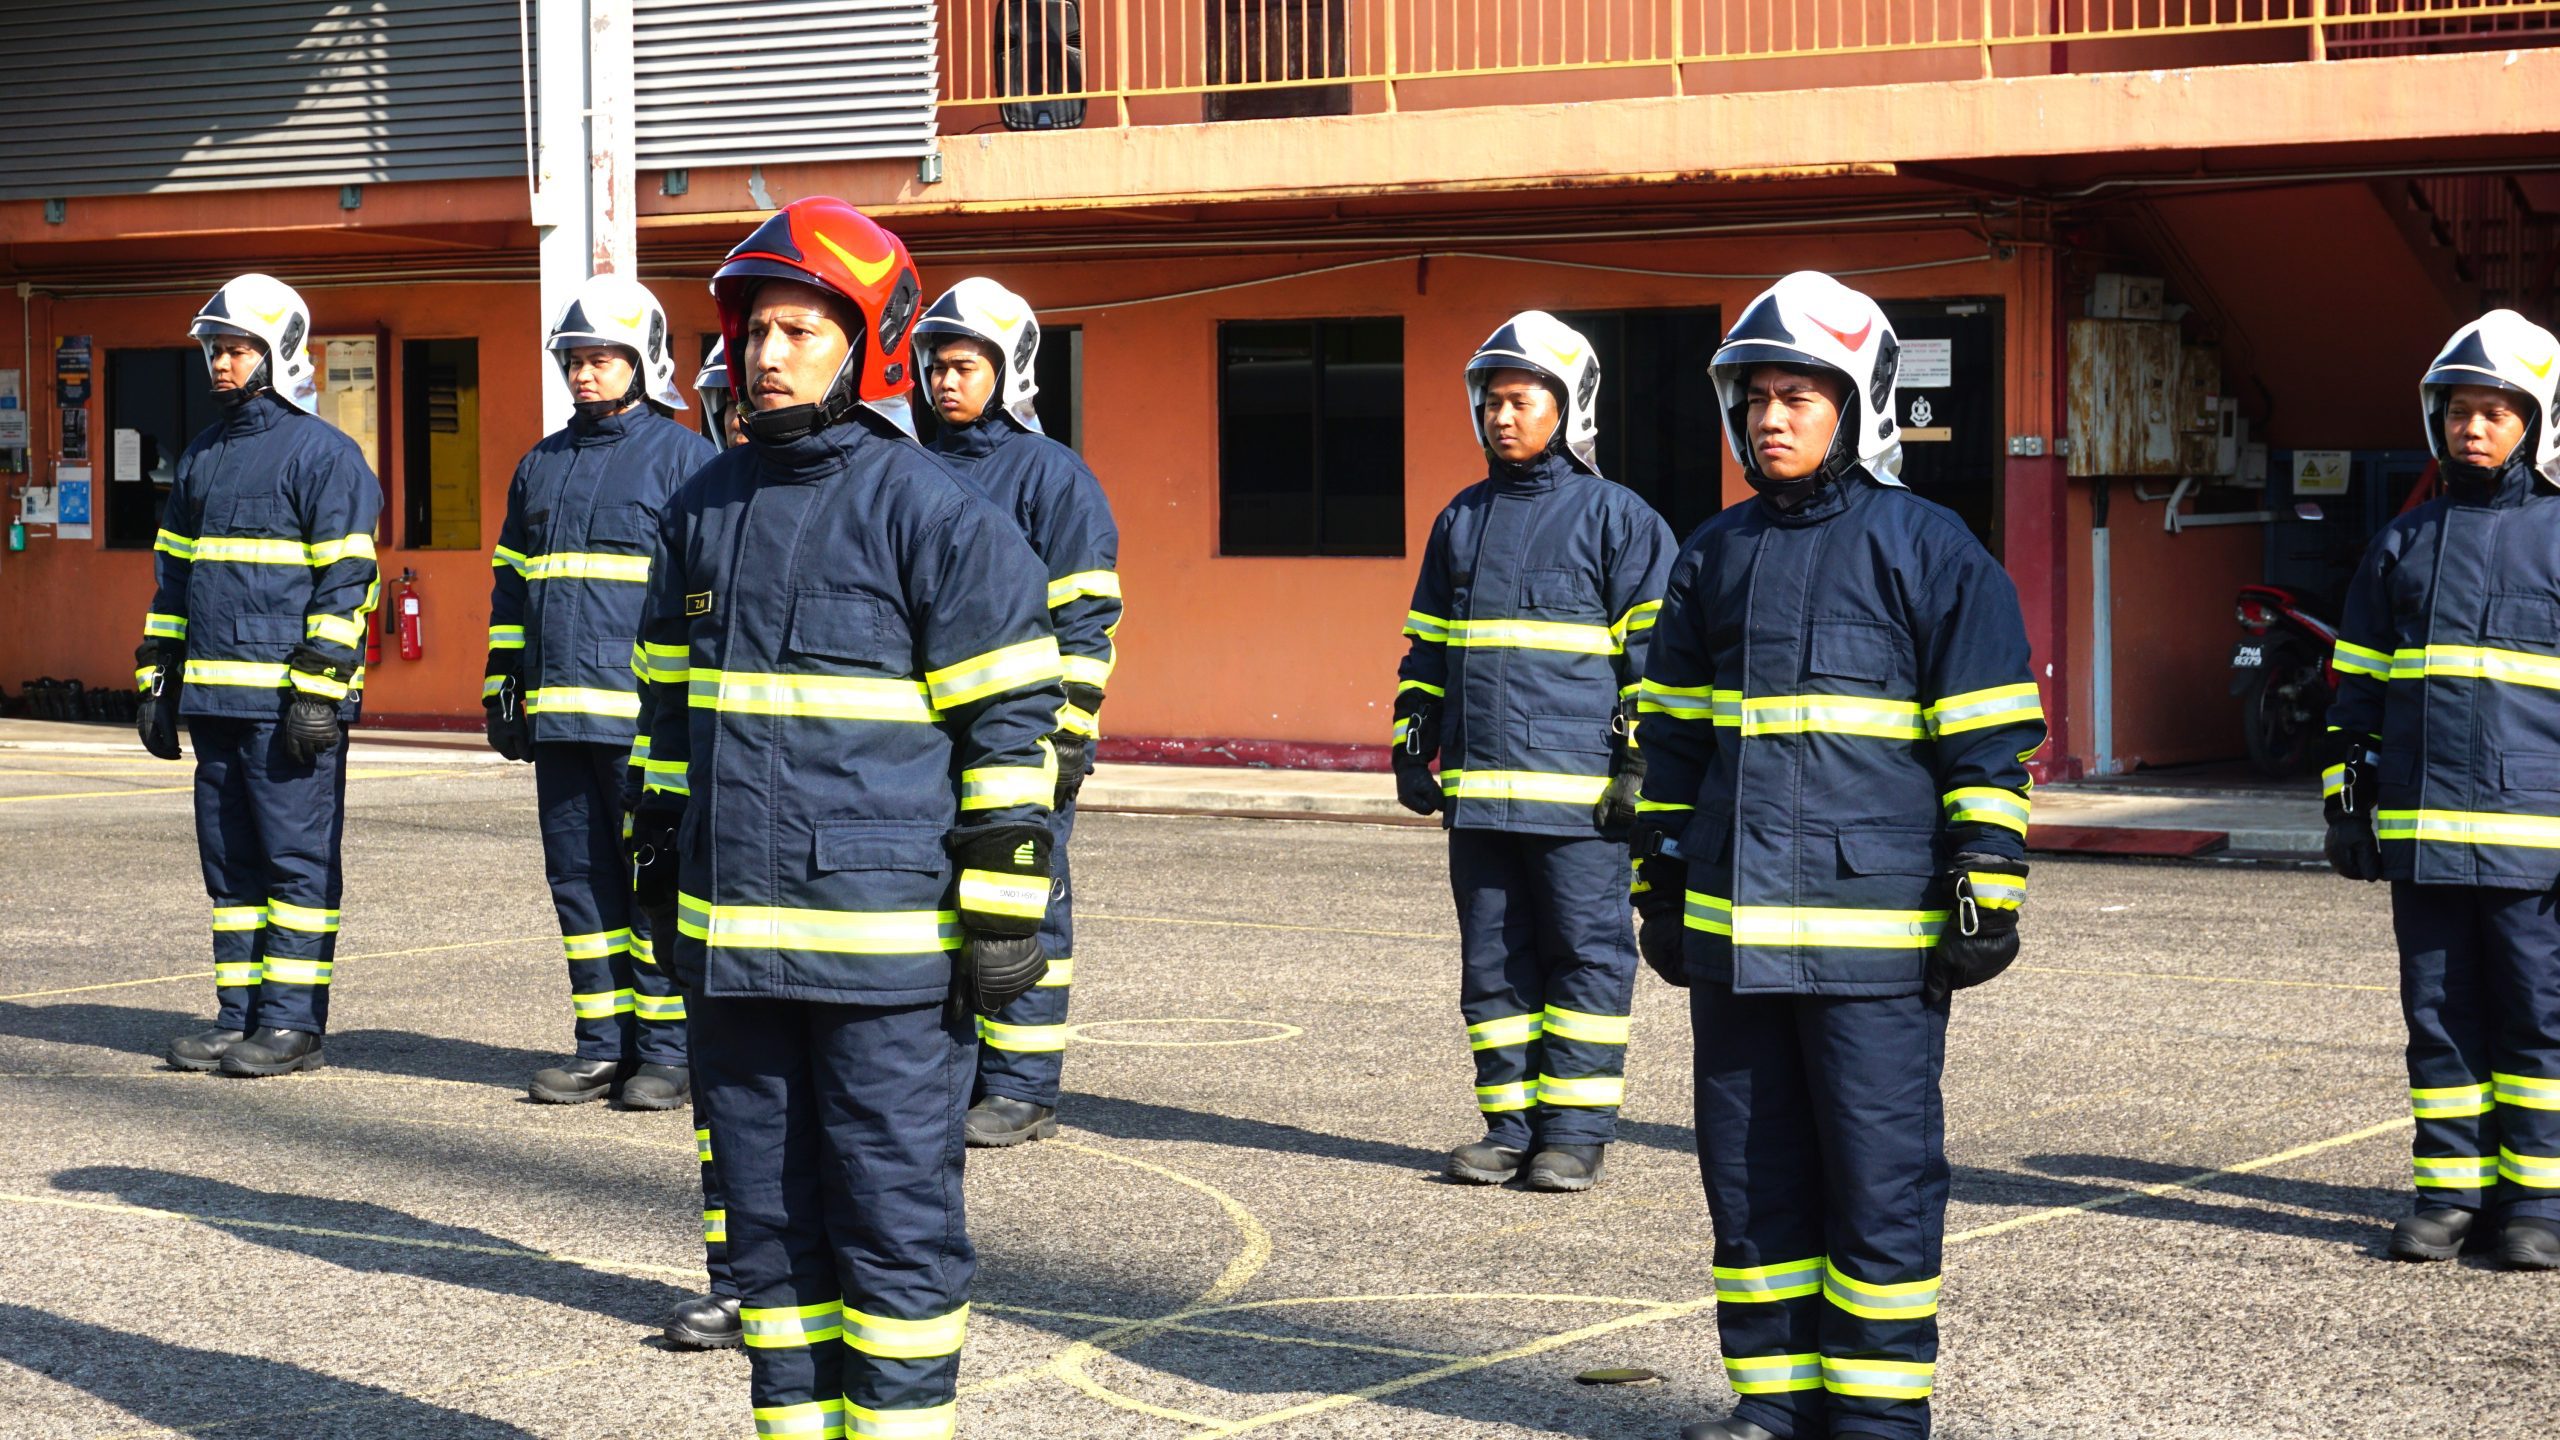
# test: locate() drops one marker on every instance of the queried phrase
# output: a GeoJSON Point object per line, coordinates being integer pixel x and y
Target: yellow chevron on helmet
{"type": "Point", "coordinates": [612, 309]}
{"type": "Point", "coordinates": [271, 312]}
{"type": "Point", "coordinates": [2505, 350]}
{"type": "Point", "coordinates": [983, 310]}
{"type": "Point", "coordinates": [1538, 342]}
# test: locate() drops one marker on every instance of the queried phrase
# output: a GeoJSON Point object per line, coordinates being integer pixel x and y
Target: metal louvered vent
{"type": "Point", "coordinates": [744, 82]}
{"type": "Point", "coordinates": [124, 96]}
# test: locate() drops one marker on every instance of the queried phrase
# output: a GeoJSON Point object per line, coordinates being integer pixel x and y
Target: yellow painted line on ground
{"type": "Point", "coordinates": [2189, 1182]}
{"type": "Point", "coordinates": [343, 959]}
{"type": "Point", "coordinates": [2211, 979]}
{"type": "Point", "coordinates": [1086, 916]}
{"type": "Point", "coordinates": [1223, 1332]}
{"type": "Point", "coordinates": [1279, 1031]}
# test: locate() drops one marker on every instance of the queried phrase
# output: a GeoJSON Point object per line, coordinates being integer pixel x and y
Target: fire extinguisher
{"type": "Point", "coordinates": [404, 600]}
{"type": "Point", "coordinates": [373, 637]}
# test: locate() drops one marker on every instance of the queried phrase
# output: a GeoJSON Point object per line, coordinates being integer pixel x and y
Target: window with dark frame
{"type": "Point", "coordinates": [1661, 433]}
{"type": "Point", "coordinates": [1311, 437]}
{"type": "Point", "coordinates": [440, 444]}
{"type": "Point", "coordinates": [165, 395]}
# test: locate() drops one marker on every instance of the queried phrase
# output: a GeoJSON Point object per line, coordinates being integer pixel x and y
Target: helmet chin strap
{"type": "Point", "coordinates": [798, 422]}
{"type": "Point", "coordinates": [260, 381]}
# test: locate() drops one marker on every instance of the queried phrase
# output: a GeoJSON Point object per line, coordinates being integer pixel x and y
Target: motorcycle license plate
{"type": "Point", "coordinates": [2248, 657]}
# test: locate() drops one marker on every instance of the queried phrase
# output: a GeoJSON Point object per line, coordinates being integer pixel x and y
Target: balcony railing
{"type": "Point", "coordinates": [1044, 62]}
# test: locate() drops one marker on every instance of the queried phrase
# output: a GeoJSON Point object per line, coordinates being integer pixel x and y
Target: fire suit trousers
{"type": "Point", "coordinates": [267, 832]}
{"type": "Point", "coordinates": [836, 1135]}
{"type": "Point", "coordinates": [1546, 937]}
{"type": "Point", "coordinates": [1821, 1139]}
{"type": "Point", "coordinates": [626, 1006]}
{"type": "Point", "coordinates": [2480, 989]}
{"type": "Point", "coordinates": [1022, 1047]}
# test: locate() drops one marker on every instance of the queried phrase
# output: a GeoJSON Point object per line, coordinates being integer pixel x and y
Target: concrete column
{"type": "Point", "coordinates": [583, 207]}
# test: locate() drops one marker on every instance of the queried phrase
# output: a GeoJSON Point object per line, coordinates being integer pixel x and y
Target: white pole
{"type": "Point", "coordinates": [561, 214]}
{"type": "Point", "coordinates": [610, 136]}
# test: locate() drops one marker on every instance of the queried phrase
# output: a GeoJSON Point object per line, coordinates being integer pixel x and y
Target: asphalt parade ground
{"type": "Point", "coordinates": [2179, 1130]}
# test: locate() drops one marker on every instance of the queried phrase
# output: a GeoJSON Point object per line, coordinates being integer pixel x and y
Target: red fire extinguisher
{"type": "Point", "coordinates": [373, 637]}
{"type": "Point", "coordinates": [404, 601]}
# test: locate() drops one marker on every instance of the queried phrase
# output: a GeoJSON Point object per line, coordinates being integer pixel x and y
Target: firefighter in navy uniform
{"type": "Point", "coordinates": [976, 347]}
{"type": "Point", "coordinates": [255, 643]}
{"type": "Point", "coordinates": [1836, 714]}
{"type": "Point", "coordinates": [2447, 784]}
{"type": "Point", "coordinates": [1530, 619]}
{"type": "Point", "coordinates": [572, 568]}
{"type": "Point", "coordinates": [850, 655]}
{"type": "Point", "coordinates": [708, 1321]}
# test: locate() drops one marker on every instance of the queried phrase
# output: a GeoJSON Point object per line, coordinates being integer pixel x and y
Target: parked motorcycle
{"type": "Point", "coordinates": [2283, 676]}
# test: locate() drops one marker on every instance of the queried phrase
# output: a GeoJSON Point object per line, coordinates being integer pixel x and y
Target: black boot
{"type": "Point", "coordinates": [273, 1052]}
{"type": "Point", "coordinates": [1727, 1429]}
{"type": "Point", "coordinates": [705, 1322]}
{"type": "Point", "coordinates": [1565, 1167]}
{"type": "Point", "coordinates": [581, 1080]}
{"type": "Point", "coordinates": [2529, 1242]}
{"type": "Point", "coordinates": [204, 1049]}
{"type": "Point", "coordinates": [658, 1087]}
{"type": "Point", "coordinates": [1000, 1120]}
{"type": "Point", "coordinates": [2434, 1233]}
{"type": "Point", "coordinates": [1484, 1162]}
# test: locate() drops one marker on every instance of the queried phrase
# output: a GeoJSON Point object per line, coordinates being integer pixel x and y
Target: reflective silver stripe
{"type": "Point", "coordinates": [791, 1326]}
{"type": "Point", "coordinates": [1737, 1285]}
{"type": "Point", "coordinates": [830, 697]}
{"type": "Point", "coordinates": [841, 932]}
{"type": "Point", "coordinates": [1774, 1374]}
{"type": "Point", "coordinates": [1906, 1300]}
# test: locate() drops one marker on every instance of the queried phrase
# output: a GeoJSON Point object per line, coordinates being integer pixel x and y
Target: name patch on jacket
{"type": "Point", "coordinates": [698, 603]}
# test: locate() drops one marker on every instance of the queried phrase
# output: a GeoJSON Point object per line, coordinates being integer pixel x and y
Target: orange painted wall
{"type": "Point", "coordinates": [1255, 648]}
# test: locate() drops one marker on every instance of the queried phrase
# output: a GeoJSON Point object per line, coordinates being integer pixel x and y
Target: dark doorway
{"type": "Point", "coordinates": [1950, 391]}
{"type": "Point", "coordinates": [1660, 433]}
{"type": "Point", "coordinates": [166, 395]}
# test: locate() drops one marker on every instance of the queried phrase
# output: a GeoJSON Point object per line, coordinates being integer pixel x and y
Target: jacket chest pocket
{"type": "Point", "coordinates": [627, 526]}
{"type": "Point", "coordinates": [2530, 622]}
{"type": "Point", "coordinates": [1861, 650]}
{"type": "Point", "coordinates": [1888, 850]}
{"type": "Point", "coordinates": [241, 512]}
{"type": "Point", "coordinates": [1559, 595]}
{"type": "Point", "coordinates": [850, 629]}
{"type": "Point", "coordinates": [266, 637]}
{"type": "Point", "coordinates": [893, 866]}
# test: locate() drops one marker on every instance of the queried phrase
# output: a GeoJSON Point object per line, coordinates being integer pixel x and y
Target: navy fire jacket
{"type": "Point", "coordinates": [572, 568]}
{"type": "Point", "coordinates": [846, 655]}
{"type": "Point", "coordinates": [1838, 701]}
{"type": "Point", "coordinates": [267, 545]}
{"type": "Point", "coordinates": [2449, 667]}
{"type": "Point", "coordinates": [1538, 593]}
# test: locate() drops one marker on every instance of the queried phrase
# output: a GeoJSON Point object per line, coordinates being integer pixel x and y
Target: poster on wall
{"type": "Point", "coordinates": [15, 440]}
{"type": "Point", "coordinates": [71, 503]}
{"type": "Point", "coordinates": [71, 356]}
{"type": "Point", "coordinates": [350, 390]}
{"type": "Point", "coordinates": [75, 433]}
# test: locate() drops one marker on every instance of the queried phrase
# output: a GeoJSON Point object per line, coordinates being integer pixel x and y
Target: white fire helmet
{"type": "Point", "coordinates": [2504, 349]}
{"type": "Point", "coordinates": [612, 309]}
{"type": "Point", "coordinates": [981, 309]}
{"type": "Point", "coordinates": [1809, 321]}
{"type": "Point", "coordinates": [267, 310]}
{"type": "Point", "coordinates": [1536, 341]}
{"type": "Point", "coordinates": [711, 387]}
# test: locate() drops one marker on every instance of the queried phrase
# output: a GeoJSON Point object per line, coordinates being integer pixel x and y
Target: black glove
{"type": "Point", "coordinates": [311, 729]}
{"type": "Point", "coordinates": [1981, 937]}
{"type": "Point", "coordinates": [2353, 785]}
{"type": "Point", "coordinates": [1417, 789]}
{"type": "Point", "coordinates": [159, 670]}
{"type": "Point", "coordinates": [652, 850]}
{"type": "Point", "coordinates": [1003, 896]}
{"type": "Point", "coordinates": [1662, 904]}
{"type": "Point", "coordinates": [510, 730]}
{"type": "Point", "coordinates": [1615, 811]}
{"type": "Point", "coordinates": [1075, 761]}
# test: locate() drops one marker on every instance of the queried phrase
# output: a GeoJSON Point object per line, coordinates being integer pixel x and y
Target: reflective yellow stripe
{"type": "Point", "coordinates": [1093, 670]}
{"type": "Point", "coordinates": [2459, 1172]}
{"type": "Point", "coordinates": [600, 1004]}
{"type": "Point", "coordinates": [715, 1228]}
{"type": "Point", "coordinates": [1060, 974]}
{"type": "Point", "coordinates": [330, 552]}
{"type": "Point", "coordinates": [293, 970]}
{"type": "Point", "coordinates": [779, 1327]}
{"type": "Point", "coordinates": [2332, 780]}
{"type": "Point", "coordinates": [992, 892]}
{"type": "Point", "coordinates": [813, 1420]}
{"type": "Point", "coordinates": [939, 1422]}
{"type": "Point", "coordinates": [658, 1009]}
{"type": "Point", "coordinates": [302, 918]}
{"type": "Point", "coordinates": [1638, 618]}
{"type": "Point", "coordinates": [996, 786]}
{"type": "Point", "coordinates": [597, 946]}
{"type": "Point", "coordinates": [1022, 1039]}
{"type": "Point", "coordinates": [1751, 1285]}
{"type": "Point", "coordinates": [255, 674]}
{"type": "Point", "coordinates": [157, 626]}
{"type": "Point", "coordinates": [1987, 805]}
{"type": "Point", "coordinates": [1517, 634]}
{"type": "Point", "coordinates": [1498, 1099]}
{"type": "Point", "coordinates": [237, 972]}
{"type": "Point", "coordinates": [826, 697]}
{"type": "Point", "coordinates": [1597, 1029]}
{"type": "Point", "coordinates": [1079, 722]}
{"type": "Point", "coordinates": [2528, 1091]}
{"type": "Point", "coordinates": [893, 1339]}
{"type": "Point", "coordinates": [582, 700]}
{"type": "Point", "coordinates": [503, 558]}
{"type": "Point", "coordinates": [1680, 702]}
{"type": "Point", "coordinates": [306, 683]}
{"type": "Point", "coordinates": [1982, 709]}
{"type": "Point", "coordinates": [665, 777]}
{"type": "Point", "coordinates": [979, 676]}
{"type": "Point", "coordinates": [256, 550]}
{"type": "Point", "coordinates": [2439, 827]}
{"type": "Point", "coordinates": [1504, 1030]}
{"type": "Point", "coordinates": [2475, 662]}
{"type": "Point", "coordinates": [2357, 660]}
{"type": "Point", "coordinates": [836, 932]}
{"type": "Point", "coordinates": [1773, 1374]}
{"type": "Point", "coordinates": [1429, 628]}
{"type": "Point", "coordinates": [1100, 584]}
{"type": "Point", "coordinates": [576, 565]}
{"type": "Point", "coordinates": [2449, 1102]}
{"type": "Point", "coordinates": [1832, 715]}
{"type": "Point", "coordinates": [336, 629]}
{"type": "Point", "coordinates": [2534, 1172]}
{"type": "Point", "coordinates": [1993, 890]}
{"type": "Point", "coordinates": [661, 664]}
{"type": "Point", "coordinates": [1434, 691]}
{"type": "Point", "coordinates": [1879, 1379]}
{"type": "Point", "coordinates": [1906, 1300]}
{"type": "Point", "coordinates": [1523, 785]}
{"type": "Point", "coordinates": [702, 1144]}
{"type": "Point", "coordinates": [1815, 925]}
{"type": "Point", "coordinates": [506, 637]}
{"type": "Point", "coordinates": [239, 917]}
{"type": "Point", "coordinates": [1582, 1090]}
{"type": "Point", "coordinates": [170, 542]}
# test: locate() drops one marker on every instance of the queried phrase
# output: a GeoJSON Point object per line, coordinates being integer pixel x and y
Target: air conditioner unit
{"type": "Point", "coordinates": [1040, 51]}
